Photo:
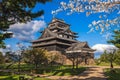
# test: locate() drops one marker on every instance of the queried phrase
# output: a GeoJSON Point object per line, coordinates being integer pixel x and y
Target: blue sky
{"type": "Point", "coordinates": [79, 23]}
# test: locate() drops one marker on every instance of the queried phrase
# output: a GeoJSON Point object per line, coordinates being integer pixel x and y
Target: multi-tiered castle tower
{"type": "Point", "coordinates": [58, 37]}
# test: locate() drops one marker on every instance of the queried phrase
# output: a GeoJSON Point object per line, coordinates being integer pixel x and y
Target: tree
{"type": "Point", "coordinates": [75, 58]}
{"type": "Point", "coordinates": [108, 57]}
{"type": "Point", "coordinates": [55, 58]}
{"type": "Point", "coordinates": [8, 58]}
{"type": "Point", "coordinates": [97, 61]}
{"type": "Point", "coordinates": [115, 55]}
{"type": "Point", "coordinates": [116, 39]}
{"type": "Point", "coordinates": [35, 56]}
{"type": "Point", "coordinates": [117, 60]}
{"type": "Point", "coordinates": [16, 11]}
{"type": "Point", "coordinates": [105, 7]}
{"type": "Point", "coordinates": [103, 57]}
{"type": "Point", "coordinates": [1, 58]}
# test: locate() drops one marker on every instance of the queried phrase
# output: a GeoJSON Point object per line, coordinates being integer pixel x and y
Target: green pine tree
{"type": "Point", "coordinates": [116, 39]}
{"type": "Point", "coordinates": [14, 11]}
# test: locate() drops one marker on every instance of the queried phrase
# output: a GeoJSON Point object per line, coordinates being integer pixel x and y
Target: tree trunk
{"type": "Point", "coordinates": [111, 64]}
{"type": "Point", "coordinates": [35, 66]}
{"type": "Point", "coordinates": [111, 67]}
{"type": "Point", "coordinates": [77, 64]}
{"type": "Point", "coordinates": [35, 70]}
{"type": "Point", "coordinates": [73, 64]}
{"type": "Point", "coordinates": [19, 65]}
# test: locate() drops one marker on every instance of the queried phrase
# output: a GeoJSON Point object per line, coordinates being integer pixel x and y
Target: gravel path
{"type": "Point", "coordinates": [92, 73]}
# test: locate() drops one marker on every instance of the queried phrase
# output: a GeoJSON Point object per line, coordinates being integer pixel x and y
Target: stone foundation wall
{"type": "Point", "coordinates": [62, 59]}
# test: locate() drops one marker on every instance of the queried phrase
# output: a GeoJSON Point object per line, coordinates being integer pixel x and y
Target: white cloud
{"type": "Point", "coordinates": [100, 48]}
{"type": "Point", "coordinates": [26, 31]}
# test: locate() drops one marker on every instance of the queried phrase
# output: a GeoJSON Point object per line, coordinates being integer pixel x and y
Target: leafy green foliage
{"type": "Point", "coordinates": [14, 11]}
{"type": "Point", "coordinates": [116, 39]}
{"type": "Point", "coordinates": [117, 60]}
{"type": "Point", "coordinates": [1, 58]}
{"type": "Point", "coordinates": [35, 56]}
{"type": "Point", "coordinates": [8, 57]}
{"type": "Point", "coordinates": [112, 75]}
{"type": "Point", "coordinates": [103, 57]}
{"type": "Point", "coordinates": [97, 61]}
{"type": "Point", "coordinates": [17, 11]}
{"type": "Point", "coordinates": [108, 57]}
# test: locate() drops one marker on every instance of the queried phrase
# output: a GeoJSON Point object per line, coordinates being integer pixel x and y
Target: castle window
{"type": "Point", "coordinates": [67, 36]}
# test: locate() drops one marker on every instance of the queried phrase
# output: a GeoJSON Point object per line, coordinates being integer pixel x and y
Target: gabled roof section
{"type": "Point", "coordinates": [78, 46]}
{"type": "Point", "coordinates": [47, 33]}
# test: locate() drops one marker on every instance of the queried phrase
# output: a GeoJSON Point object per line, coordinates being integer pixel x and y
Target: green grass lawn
{"type": "Point", "coordinates": [55, 71]}
{"type": "Point", "coordinates": [8, 77]}
{"type": "Point", "coordinates": [66, 72]}
{"type": "Point", "coordinates": [16, 77]}
{"type": "Point", "coordinates": [42, 79]}
{"type": "Point", "coordinates": [113, 75]}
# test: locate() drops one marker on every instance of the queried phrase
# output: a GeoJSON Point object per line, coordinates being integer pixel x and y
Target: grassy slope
{"type": "Point", "coordinates": [16, 78]}
{"type": "Point", "coordinates": [66, 72]}
{"type": "Point", "coordinates": [113, 75]}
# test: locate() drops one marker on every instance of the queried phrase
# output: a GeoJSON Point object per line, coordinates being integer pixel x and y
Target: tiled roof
{"type": "Point", "coordinates": [78, 46]}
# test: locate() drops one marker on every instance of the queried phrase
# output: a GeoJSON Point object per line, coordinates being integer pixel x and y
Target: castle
{"type": "Point", "coordinates": [58, 37]}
